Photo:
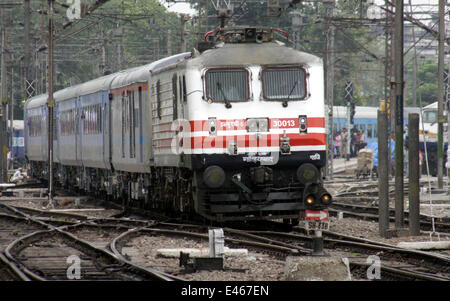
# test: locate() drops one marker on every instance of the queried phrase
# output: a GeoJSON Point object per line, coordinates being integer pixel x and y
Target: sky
{"type": "Point", "coordinates": [180, 8]}
{"type": "Point", "coordinates": [185, 8]}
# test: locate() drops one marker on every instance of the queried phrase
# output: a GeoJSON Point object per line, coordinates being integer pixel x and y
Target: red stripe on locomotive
{"type": "Point", "coordinates": [241, 124]}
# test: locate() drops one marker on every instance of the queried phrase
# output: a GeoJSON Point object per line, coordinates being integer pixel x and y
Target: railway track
{"type": "Point", "coordinates": [110, 235]}
{"type": "Point", "coordinates": [44, 254]}
{"type": "Point", "coordinates": [371, 213]}
{"type": "Point", "coordinates": [9, 271]}
{"type": "Point", "coordinates": [397, 262]}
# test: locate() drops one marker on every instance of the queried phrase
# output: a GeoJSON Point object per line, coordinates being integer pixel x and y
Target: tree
{"type": "Point", "coordinates": [427, 83]}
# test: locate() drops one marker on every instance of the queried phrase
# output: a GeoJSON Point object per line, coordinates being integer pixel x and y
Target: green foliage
{"type": "Point", "coordinates": [139, 31]}
{"type": "Point", "coordinates": [427, 83]}
{"type": "Point", "coordinates": [141, 38]}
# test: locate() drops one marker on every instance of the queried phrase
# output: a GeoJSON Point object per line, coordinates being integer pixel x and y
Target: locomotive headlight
{"type": "Point", "coordinates": [303, 124]}
{"type": "Point", "coordinates": [214, 176]}
{"type": "Point", "coordinates": [212, 125]}
{"type": "Point", "coordinates": [257, 125]}
{"type": "Point", "coordinates": [263, 125]}
{"type": "Point", "coordinates": [310, 199]}
{"type": "Point", "coordinates": [326, 198]}
{"type": "Point", "coordinates": [252, 125]}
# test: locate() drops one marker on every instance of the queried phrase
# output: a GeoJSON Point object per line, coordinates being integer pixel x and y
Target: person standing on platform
{"type": "Point", "coordinates": [344, 144]}
{"type": "Point", "coordinates": [337, 145]}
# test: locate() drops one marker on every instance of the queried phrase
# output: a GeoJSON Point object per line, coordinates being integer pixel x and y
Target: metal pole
{"type": "Point", "coordinates": [441, 120]}
{"type": "Point", "coordinates": [318, 243]}
{"type": "Point", "coordinates": [4, 116]}
{"type": "Point", "coordinates": [184, 19]}
{"type": "Point", "coordinates": [398, 60]}
{"type": "Point", "coordinates": [383, 173]}
{"type": "Point", "coordinates": [413, 162]}
{"type": "Point", "coordinates": [414, 104]}
{"type": "Point", "coordinates": [11, 111]}
{"type": "Point", "coordinates": [27, 58]}
{"type": "Point", "coordinates": [328, 70]}
{"type": "Point", "coordinates": [388, 88]}
{"type": "Point", "coordinates": [50, 101]}
{"type": "Point", "coordinates": [103, 64]}
{"type": "Point", "coordinates": [169, 42]}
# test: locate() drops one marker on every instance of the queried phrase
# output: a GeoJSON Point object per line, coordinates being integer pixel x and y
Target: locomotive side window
{"type": "Point", "coordinates": [284, 83]}
{"type": "Point", "coordinates": [174, 96]}
{"type": "Point", "coordinates": [158, 98]}
{"type": "Point", "coordinates": [184, 89]}
{"type": "Point", "coordinates": [227, 85]}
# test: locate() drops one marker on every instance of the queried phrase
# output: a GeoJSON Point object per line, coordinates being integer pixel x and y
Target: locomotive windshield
{"type": "Point", "coordinates": [225, 85]}
{"type": "Point", "coordinates": [284, 83]}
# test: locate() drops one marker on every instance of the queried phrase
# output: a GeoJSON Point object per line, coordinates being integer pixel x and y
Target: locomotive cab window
{"type": "Point", "coordinates": [223, 85]}
{"type": "Point", "coordinates": [284, 83]}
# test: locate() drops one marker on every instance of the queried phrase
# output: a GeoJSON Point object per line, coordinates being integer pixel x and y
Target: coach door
{"type": "Point", "coordinates": [139, 123]}
{"type": "Point", "coordinates": [105, 127]}
{"type": "Point", "coordinates": [55, 134]}
{"type": "Point", "coordinates": [44, 133]}
{"type": "Point", "coordinates": [79, 130]}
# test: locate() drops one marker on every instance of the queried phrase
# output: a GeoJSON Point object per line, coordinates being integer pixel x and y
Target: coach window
{"type": "Point", "coordinates": [284, 83]}
{"type": "Point", "coordinates": [227, 85]}
{"type": "Point", "coordinates": [158, 98]}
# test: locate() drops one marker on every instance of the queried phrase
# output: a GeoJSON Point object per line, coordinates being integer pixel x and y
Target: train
{"type": "Point", "coordinates": [365, 118]}
{"type": "Point", "coordinates": [428, 130]}
{"type": "Point", "coordinates": [17, 145]}
{"type": "Point", "coordinates": [235, 131]}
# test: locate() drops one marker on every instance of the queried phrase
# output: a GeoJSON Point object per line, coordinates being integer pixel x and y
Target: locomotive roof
{"type": "Point", "coordinates": [433, 105]}
{"type": "Point", "coordinates": [242, 54]}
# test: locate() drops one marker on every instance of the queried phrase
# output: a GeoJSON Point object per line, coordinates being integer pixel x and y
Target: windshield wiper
{"type": "Point", "coordinates": [227, 102]}
{"type": "Point", "coordinates": [285, 102]}
{"type": "Point", "coordinates": [290, 93]}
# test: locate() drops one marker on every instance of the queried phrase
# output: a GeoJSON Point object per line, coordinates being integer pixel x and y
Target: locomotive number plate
{"type": "Point", "coordinates": [317, 225]}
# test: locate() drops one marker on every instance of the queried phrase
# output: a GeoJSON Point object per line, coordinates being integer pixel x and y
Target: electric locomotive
{"type": "Point", "coordinates": [234, 132]}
